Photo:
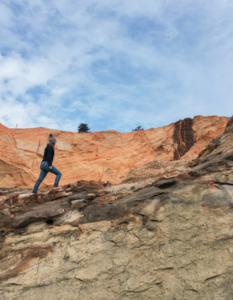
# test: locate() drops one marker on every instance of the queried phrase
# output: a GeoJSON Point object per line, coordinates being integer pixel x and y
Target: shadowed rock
{"type": "Point", "coordinates": [183, 137]}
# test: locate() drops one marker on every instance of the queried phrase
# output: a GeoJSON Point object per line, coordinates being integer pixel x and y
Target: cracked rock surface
{"type": "Point", "coordinates": [102, 156]}
{"type": "Point", "coordinates": [167, 238]}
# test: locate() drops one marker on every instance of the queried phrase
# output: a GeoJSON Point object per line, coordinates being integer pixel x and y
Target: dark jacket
{"type": "Point", "coordinates": [48, 154]}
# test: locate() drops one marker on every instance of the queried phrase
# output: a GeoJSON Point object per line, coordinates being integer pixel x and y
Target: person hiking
{"type": "Point", "coordinates": [46, 165]}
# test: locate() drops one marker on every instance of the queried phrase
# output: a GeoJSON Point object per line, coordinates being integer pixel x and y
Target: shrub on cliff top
{"type": "Point", "coordinates": [138, 128]}
{"type": "Point", "coordinates": [83, 128]}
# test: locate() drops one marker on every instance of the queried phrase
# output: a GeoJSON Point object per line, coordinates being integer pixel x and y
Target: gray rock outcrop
{"type": "Point", "coordinates": [165, 237]}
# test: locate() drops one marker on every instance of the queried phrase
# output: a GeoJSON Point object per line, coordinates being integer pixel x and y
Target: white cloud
{"type": "Point", "coordinates": [114, 64]}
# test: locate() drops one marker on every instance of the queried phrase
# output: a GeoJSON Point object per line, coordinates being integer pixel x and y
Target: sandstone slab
{"type": "Point", "coordinates": [105, 156]}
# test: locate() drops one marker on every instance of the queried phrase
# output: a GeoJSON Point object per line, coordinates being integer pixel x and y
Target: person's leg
{"type": "Point", "coordinates": [42, 176]}
{"type": "Point", "coordinates": [55, 171]}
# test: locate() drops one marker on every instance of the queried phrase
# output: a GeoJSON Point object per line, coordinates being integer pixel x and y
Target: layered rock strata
{"type": "Point", "coordinates": [101, 156]}
{"type": "Point", "coordinates": [168, 237]}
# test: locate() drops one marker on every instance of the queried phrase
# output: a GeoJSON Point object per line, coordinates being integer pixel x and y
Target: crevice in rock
{"type": "Point", "coordinates": [183, 137]}
{"type": "Point", "coordinates": [49, 222]}
{"type": "Point", "coordinates": [165, 269]}
{"type": "Point", "coordinates": [212, 277]}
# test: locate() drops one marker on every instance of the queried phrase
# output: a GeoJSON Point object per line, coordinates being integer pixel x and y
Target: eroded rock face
{"type": "Point", "coordinates": [184, 137]}
{"type": "Point", "coordinates": [157, 169]}
{"type": "Point", "coordinates": [165, 235]}
{"type": "Point", "coordinates": [101, 156]}
{"type": "Point", "coordinates": [222, 144]}
{"type": "Point", "coordinates": [169, 238]}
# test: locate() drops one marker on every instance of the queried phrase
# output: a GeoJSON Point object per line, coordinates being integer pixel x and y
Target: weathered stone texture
{"type": "Point", "coordinates": [163, 236]}
{"type": "Point", "coordinates": [183, 137]}
{"type": "Point", "coordinates": [102, 156]}
{"type": "Point", "coordinates": [174, 243]}
{"type": "Point", "coordinates": [222, 144]}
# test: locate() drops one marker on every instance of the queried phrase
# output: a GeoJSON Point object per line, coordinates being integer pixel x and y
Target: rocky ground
{"type": "Point", "coordinates": [168, 234]}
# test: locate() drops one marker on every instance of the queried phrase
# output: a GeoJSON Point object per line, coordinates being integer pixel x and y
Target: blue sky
{"type": "Point", "coordinates": [114, 64]}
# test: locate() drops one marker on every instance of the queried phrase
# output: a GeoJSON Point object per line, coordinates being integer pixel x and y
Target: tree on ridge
{"type": "Point", "coordinates": [83, 127]}
{"type": "Point", "coordinates": [138, 128]}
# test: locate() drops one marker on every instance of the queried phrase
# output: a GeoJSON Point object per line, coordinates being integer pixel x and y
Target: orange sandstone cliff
{"type": "Point", "coordinates": [103, 156]}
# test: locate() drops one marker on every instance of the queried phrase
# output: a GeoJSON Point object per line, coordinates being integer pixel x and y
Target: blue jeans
{"type": "Point", "coordinates": [44, 171]}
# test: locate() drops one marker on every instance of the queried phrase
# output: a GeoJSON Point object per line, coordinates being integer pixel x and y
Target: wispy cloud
{"type": "Point", "coordinates": [114, 64]}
